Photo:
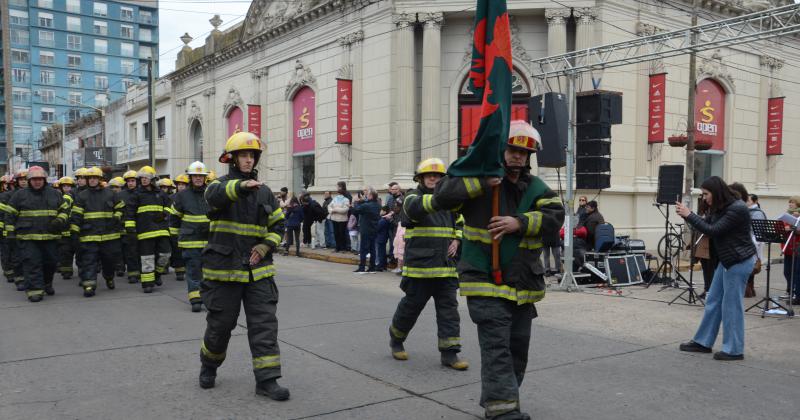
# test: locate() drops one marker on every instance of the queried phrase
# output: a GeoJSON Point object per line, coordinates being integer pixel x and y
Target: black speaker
{"type": "Point", "coordinates": [592, 181]}
{"type": "Point", "coordinates": [549, 115]}
{"type": "Point", "coordinates": [593, 147]}
{"type": "Point", "coordinates": [599, 107]}
{"type": "Point", "coordinates": [593, 131]}
{"type": "Point", "coordinates": [670, 184]}
{"type": "Point", "coordinates": [592, 164]}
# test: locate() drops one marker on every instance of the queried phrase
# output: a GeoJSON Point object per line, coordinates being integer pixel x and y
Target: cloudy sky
{"type": "Point", "coordinates": [179, 16]}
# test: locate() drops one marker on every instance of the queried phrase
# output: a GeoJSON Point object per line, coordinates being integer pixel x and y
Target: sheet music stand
{"type": "Point", "coordinates": [769, 232]}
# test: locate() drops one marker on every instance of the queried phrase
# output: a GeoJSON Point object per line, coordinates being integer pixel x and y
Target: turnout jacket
{"type": "Point", "coordinates": [126, 195]}
{"type": "Point", "coordinates": [428, 236]}
{"type": "Point", "coordinates": [239, 220]}
{"type": "Point", "coordinates": [97, 215]}
{"type": "Point", "coordinates": [36, 215]}
{"type": "Point", "coordinates": [190, 217]}
{"type": "Point", "coordinates": [523, 280]}
{"type": "Point", "coordinates": [5, 196]}
{"type": "Point", "coordinates": [70, 200]}
{"type": "Point", "coordinates": [147, 212]}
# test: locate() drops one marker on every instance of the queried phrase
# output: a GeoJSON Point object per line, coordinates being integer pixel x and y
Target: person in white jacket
{"type": "Point", "coordinates": [338, 211]}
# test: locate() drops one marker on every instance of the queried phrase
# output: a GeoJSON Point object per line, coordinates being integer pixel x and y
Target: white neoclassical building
{"type": "Point", "coordinates": [361, 90]}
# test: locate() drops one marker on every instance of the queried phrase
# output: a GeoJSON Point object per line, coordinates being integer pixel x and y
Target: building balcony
{"type": "Point", "coordinates": [138, 152]}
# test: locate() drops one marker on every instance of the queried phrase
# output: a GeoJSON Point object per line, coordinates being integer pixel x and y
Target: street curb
{"type": "Point", "coordinates": [328, 258]}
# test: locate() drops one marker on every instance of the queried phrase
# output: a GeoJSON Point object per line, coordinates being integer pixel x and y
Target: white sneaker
{"type": "Point", "coordinates": [397, 270]}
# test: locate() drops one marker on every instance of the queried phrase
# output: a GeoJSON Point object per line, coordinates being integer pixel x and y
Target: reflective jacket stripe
{"type": "Point", "coordinates": [209, 354]}
{"type": "Point", "coordinates": [194, 294]}
{"type": "Point", "coordinates": [427, 203]}
{"type": "Point", "coordinates": [192, 244]}
{"type": "Point", "coordinates": [100, 238]}
{"type": "Point", "coordinates": [242, 276]}
{"type": "Point", "coordinates": [275, 217]}
{"type": "Point", "coordinates": [264, 362]}
{"type": "Point", "coordinates": [473, 186]}
{"type": "Point", "coordinates": [153, 234]}
{"type": "Point", "coordinates": [430, 232]}
{"type": "Point", "coordinates": [534, 223]}
{"type": "Point", "coordinates": [432, 272]}
{"type": "Point", "coordinates": [98, 215]}
{"type": "Point", "coordinates": [77, 209]}
{"type": "Point", "coordinates": [244, 229]}
{"type": "Point", "coordinates": [152, 207]}
{"type": "Point", "coordinates": [38, 236]}
{"type": "Point", "coordinates": [37, 213]}
{"type": "Point", "coordinates": [487, 289]}
{"type": "Point", "coordinates": [230, 189]}
{"type": "Point", "coordinates": [192, 218]}
{"type": "Point", "coordinates": [130, 224]}
{"type": "Point", "coordinates": [477, 234]}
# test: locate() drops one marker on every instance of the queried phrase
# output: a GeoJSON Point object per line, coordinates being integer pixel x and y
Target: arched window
{"type": "Point", "coordinates": [196, 133]}
{"type": "Point", "coordinates": [235, 120]}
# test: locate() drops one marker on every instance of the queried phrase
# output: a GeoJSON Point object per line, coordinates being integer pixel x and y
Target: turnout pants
{"type": "Point", "coordinates": [176, 258]}
{"type": "Point", "coordinates": [66, 254]}
{"type": "Point", "coordinates": [194, 272]}
{"type": "Point", "coordinates": [130, 251]}
{"type": "Point", "coordinates": [98, 256]}
{"type": "Point", "coordinates": [17, 263]}
{"type": "Point", "coordinates": [223, 301]}
{"type": "Point", "coordinates": [38, 259]}
{"type": "Point", "coordinates": [418, 293]}
{"type": "Point", "coordinates": [5, 259]}
{"type": "Point", "coordinates": [155, 258]}
{"type": "Point", "coordinates": [504, 333]}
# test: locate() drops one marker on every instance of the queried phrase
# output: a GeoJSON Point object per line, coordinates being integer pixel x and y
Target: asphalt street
{"type": "Point", "coordinates": [126, 355]}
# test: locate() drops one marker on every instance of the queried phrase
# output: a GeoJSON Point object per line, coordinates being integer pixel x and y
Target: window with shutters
{"type": "Point", "coordinates": [101, 46]}
{"type": "Point", "coordinates": [48, 114]}
{"type": "Point", "coordinates": [73, 23]}
{"type": "Point", "coordinates": [18, 17]}
{"type": "Point", "coordinates": [47, 77]}
{"type": "Point", "coordinates": [74, 79]}
{"type": "Point", "coordinates": [100, 28]}
{"type": "Point", "coordinates": [20, 57]}
{"type": "Point", "coordinates": [101, 64]}
{"type": "Point", "coordinates": [73, 61]}
{"type": "Point", "coordinates": [74, 42]}
{"type": "Point", "coordinates": [74, 6]}
{"type": "Point", "coordinates": [48, 96]}
{"type": "Point", "coordinates": [47, 58]}
{"type": "Point", "coordinates": [47, 39]}
{"type": "Point", "coordinates": [100, 9]}
{"type": "Point", "coordinates": [46, 20]}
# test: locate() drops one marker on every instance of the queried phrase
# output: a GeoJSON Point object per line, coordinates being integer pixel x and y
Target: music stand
{"type": "Point", "coordinates": [769, 232]}
{"type": "Point", "coordinates": [693, 297]}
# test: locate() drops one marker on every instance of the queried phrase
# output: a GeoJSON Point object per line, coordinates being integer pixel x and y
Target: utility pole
{"type": "Point", "coordinates": [688, 175]}
{"type": "Point", "coordinates": [63, 144]}
{"type": "Point", "coordinates": [151, 119]}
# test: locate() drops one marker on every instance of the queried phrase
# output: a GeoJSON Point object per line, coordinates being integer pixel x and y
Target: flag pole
{"type": "Point", "coordinates": [497, 273]}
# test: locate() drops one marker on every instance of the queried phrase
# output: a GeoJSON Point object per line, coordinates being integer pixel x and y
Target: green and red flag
{"type": "Point", "coordinates": [490, 80]}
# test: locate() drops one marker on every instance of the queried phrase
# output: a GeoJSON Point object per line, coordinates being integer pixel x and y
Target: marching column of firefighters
{"type": "Point", "coordinates": [219, 236]}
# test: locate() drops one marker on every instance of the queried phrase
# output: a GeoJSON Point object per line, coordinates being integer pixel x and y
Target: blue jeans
{"type": "Point", "coordinates": [724, 304]}
{"type": "Point", "coordinates": [193, 259]}
{"type": "Point", "coordinates": [330, 241]}
{"type": "Point", "coordinates": [367, 246]}
{"type": "Point", "coordinates": [787, 274]}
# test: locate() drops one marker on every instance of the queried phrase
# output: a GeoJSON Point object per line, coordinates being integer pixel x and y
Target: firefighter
{"type": "Point", "coordinates": [5, 251]}
{"type": "Point", "coordinates": [181, 182]}
{"type": "Point", "coordinates": [80, 181]}
{"type": "Point", "coordinates": [96, 221]}
{"type": "Point", "coordinates": [246, 227]}
{"type": "Point", "coordinates": [37, 216]}
{"type": "Point", "coordinates": [212, 176]}
{"type": "Point", "coordinates": [20, 182]}
{"type": "Point", "coordinates": [146, 218]}
{"type": "Point", "coordinates": [503, 312]}
{"type": "Point", "coordinates": [190, 218]}
{"type": "Point", "coordinates": [66, 246]}
{"type": "Point", "coordinates": [175, 260]}
{"type": "Point", "coordinates": [116, 184]}
{"type": "Point", "coordinates": [130, 249]}
{"type": "Point", "coordinates": [429, 270]}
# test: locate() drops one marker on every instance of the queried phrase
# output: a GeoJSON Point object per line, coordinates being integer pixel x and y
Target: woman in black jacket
{"type": "Point", "coordinates": [728, 226]}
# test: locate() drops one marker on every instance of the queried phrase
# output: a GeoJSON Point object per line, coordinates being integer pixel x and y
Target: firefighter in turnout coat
{"type": "Point", "coordinates": [66, 248]}
{"type": "Point", "coordinates": [37, 216]}
{"type": "Point", "coordinates": [503, 312]}
{"type": "Point", "coordinates": [429, 271]}
{"type": "Point", "coordinates": [130, 249]}
{"type": "Point", "coordinates": [246, 227]}
{"type": "Point", "coordinates": [146, 218]}
{"type": "Point", "coordinates": [20, 182]}
{"type": "Point", "coordinates": [96, 221]}
{"type": "Point", "coordinates": [5, 251]}
{"type": "Point", "coordinates": [190, 219]}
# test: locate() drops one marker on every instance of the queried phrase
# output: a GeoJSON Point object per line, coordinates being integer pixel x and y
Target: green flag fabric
{"type": "Point", "coordinates": [490, 80]}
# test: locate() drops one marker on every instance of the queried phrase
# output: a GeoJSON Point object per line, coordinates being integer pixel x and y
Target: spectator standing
{"type": "Point", "coordinates": [728, 226]}
{"type": "Point", "coordinates": [368, 211]}
{"type": "Point", "coordinates": [702, 251]}
{"type": "Point", "coordinates": [790, 263]}
{"type": "Point", "coordinates": [755, 214]}
{"type": "Point", "coordinates": [395, 194]}
{"type": "Point", "coordinates": [338, 209]}
{"type": "Point", "coordinates": [327, 223]}
{"type": "Point", "coordinates": [581, 213]}
{"type": "Point", "coordinates": [382, 237]}
{"type": "Point", "coordinates": [342, 189]}
{"type": "Point", "coordinates": [294, 218]}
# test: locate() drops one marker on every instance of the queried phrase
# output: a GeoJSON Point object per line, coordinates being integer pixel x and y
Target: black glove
{"type": "Point", "coordinates": [55, 226]}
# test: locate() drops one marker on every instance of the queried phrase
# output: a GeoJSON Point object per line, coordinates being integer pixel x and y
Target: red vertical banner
{"type": "Point", "coordinates": [344, 111]}
{"type": "Point", "coordinates": [254, 119]}
{"type": "Point", "coordinates": [709, 115]}
{"type": "Point", "coordinates": [775, 126]}
{"type": "Point", "coordinates": [304, 121]}
{"type": "Point", "coordinates": [655, 118]}
{"type": "Point", "coordinates": [235, 119]}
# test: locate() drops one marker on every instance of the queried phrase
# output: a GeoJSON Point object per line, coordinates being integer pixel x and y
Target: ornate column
{"type": "Point", "coordinates": [556, 44]}
{"type": "Point", "coordinates": [402, 163]}
{"type": "Point", "coordinates": [258, 75]}
{"type": "Point", "coordinates": [431, 85]}
{"type": "Point", "coordinates": [210, 135]}
{"type": "Point", "coordinates": [584, 30]}
{"type": "Point", "coordinates": [351, 168]}
{"type": "Point", "coordinates": [770, 88]}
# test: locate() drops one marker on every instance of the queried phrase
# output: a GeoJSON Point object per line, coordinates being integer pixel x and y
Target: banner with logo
{"type": "Point", "coordinates": [304, 121]}
{"type": "Point", "coordinates": [709, 114]}
{"type": "Point", "coordinates": [344, 111]}
{"type": "Point", "coordinates": [235, 120]}
{"type": "Point", "coordinates": [775, 126]}
{"type": "Point", "coordinates": [655, 119]}
{"type": "Point", "coordinates": [98, 156]}
{"type": "Point", "coordinates": [254, 119]}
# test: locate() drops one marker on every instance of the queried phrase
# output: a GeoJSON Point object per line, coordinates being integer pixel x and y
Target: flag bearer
{"type": "Point", "coordinates": [66, 247]}
{"type": "Point", "coordinates": [429, 270]}
{"type": "Point", "coordinates": [130, 249]}
{"type": "Point", "coordinates": [190, 218]}
{"type": "Point", "coordinates": [96, 221]}
{"type": "Point", "coordinates": [146, 218]}
{"type": "Point", "coordinates": [246, 227]}
{"type": "Point", "coordinates": [37, 216]}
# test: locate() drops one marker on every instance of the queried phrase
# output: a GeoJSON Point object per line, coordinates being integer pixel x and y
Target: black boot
{"type": "Point", "coordinates": [132, 280]}
{"type": "Point", "coordinates": [197, 306]}
{"type": "Point", "coordinates": [147, 289]}
{"type": "Point", "coordinates": [271, 389]}
{"type": "Point", "coordinates": [450, 359]}
{"type": "Point", "coordinates": [49, 290]}
{"type": "Point", "coordinates": [35, 298]}
{"type": "Point", "coordinates": [66, 276]}
{"type": "Point", "coordinates": [178, 276]}
{"type": "Point", "coordinates": [398, 350]}
{"type": "Point", "coordinates": [110, 284]}
{"type": "Point", "coordinates": [158, 280]}
{"type": "Point", "coordinates": [208, 375]}
{"type": "Point", "coordinates": [120, 274]}
{"type": "Point", "coordinates": [88, 291]}
{"type": "Point", "coordinates": [21, 287]}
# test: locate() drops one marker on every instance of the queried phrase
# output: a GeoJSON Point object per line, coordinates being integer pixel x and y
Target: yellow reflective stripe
{"type": "Point", "coordinates": [174, 231]}
{"type": "Point", "coordinates": [430, 232]}
{"type": "Point", "coordinates": [153, 234]}
{"type": "Point", "coordinates": [195, 218]}
{"type": "Point", "coordinates": [449, 342]}
{"type": "Point", "coordinates": [118, 215]}
{"type": "Point", "coordinates": [477, 234]}
{"type": "Point", "coordinates": [209, 354]}
{"type": "Point", "coordinates": [194, 294]}
{"type": "Point", "coordinates": [546, 201]}
{"type": "Point", "coordinates": [530, 243]}
{"type": "Point", "coordinates": [119, 205]}
{"type": "Point", "coordinates": [431, 272]}
{"type": "Point", "coordinates": [498, 407]}
{"type": "Point", "coordinates": [98, 215]}
{"type": "Point", "coordinates": [39, 236]}
{"type": "Point", "coordinates": [427, 203]}
{"type": "Point", "coordinates": [176, 212]}
{"type": "Point", "coordinates": [169, 210]}
{"type": "Point", "coordinates": [486, 289]}
{"type": "Point", "coordinates": [473, 186]}
{"type": "Point", "coordinates": [242, 276]}
{"type": "Point", "coordinates": [397, 333]}
{"type": "Point", "coordinates": [130, 223]}
{"type": "Point", "coordinates": [230, 190]}
{"type": "Point", "coordinates": [264, 362]}
{"type": "Point", "coordinates": [153, 207]}
{"type": "Point", "coordinates": [12, 210]}
{"type": "Point", "coordinates": [77, 209]}
{"type": "Point", "coordinates": [9, 228]}
{"type": "Point", "coordinates": [273, 238]}
{"type": "Point", "coordinates": [37, 213]}
{"type": "Point", "coordinates": [263, 272]}
{"type": "Point", "coordinates": [459, 234]}
{"type": "Point", "coordinates": [62, 216]}
{"type": "Point", "coordinates": [64, 205]}
{"type": "Point", "coordinates": [3, 207]}
{"type": "Point", "coordinates": [148, 277]}
{"type": "Point", "coordinates": [275, 217]}
{"type": "Point", "coordinates": [244, 229]}
{"type": "Point", "coordinates": [534, 223]}
{"type": "Point", "coordinates": [192, 244]}
{"type": "Point", "coordinates": [30, 293]}
{"type": "Point", "coordinates": [100, 238]}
